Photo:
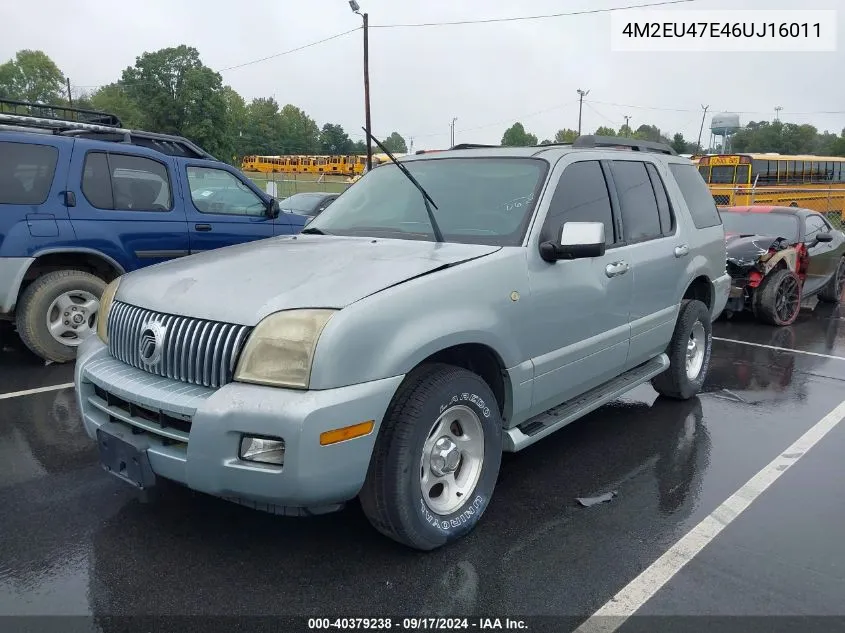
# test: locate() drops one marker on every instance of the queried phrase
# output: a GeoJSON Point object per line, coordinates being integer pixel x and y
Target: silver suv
{"type": "Point", "coordinates": [444, 309]}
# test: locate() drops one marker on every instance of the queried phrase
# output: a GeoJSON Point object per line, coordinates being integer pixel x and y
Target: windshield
{"type": "Point", "coordinates": [301, 202]}
{"type": "Point", "coordinates": [769, 224]}
{"type": "Point", "coordinates": [479, 201]}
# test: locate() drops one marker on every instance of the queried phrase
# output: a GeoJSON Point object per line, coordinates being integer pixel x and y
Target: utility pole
{"type": "Point", "coordinates": [581, 95]}
{"type": "Point", "coordinates": [357, 9]}
{"type": "Point", "coordinates": [452, 129]}
{"type": "Point", "coordinates": [777, 112]}
{"type": "Point", "coordinates": [69, 94]}
{"type": "Point", "coordinates": [627, 127]}
{"type": "Point", "coordinates": [411, 146]}
{"type": "Point", "coordinates": [701, 129]}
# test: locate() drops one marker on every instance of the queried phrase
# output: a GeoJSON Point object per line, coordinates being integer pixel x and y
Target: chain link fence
{"type": "Point", "coordinates": [283, 185]}
{"type": "Point", "coordinates": [829, 202]}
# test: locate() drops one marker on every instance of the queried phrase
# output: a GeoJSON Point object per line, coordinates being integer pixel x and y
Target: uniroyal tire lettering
{"type": "Point", "coordinates": [468, 397]}
{"type": "Point", "coordinates": [469, 512]}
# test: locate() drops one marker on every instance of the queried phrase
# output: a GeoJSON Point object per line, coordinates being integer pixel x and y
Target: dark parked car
{"type": "Point", "coordinates": [780, 256]}
{"type": "Point", "coordinates": [310, 204]}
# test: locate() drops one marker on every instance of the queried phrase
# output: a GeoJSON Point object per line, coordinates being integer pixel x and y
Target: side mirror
{"type": "Point", "coordinates": [823, 238]}
{"type": "Point", "coordinates": [273, 208]}
{"type": "Point", "coordinates": [577, 240]}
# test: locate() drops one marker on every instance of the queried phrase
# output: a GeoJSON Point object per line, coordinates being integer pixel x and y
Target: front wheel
{"type": "Point", "coordinates": [689, 353]}
{"type": "Point", "coordinates": [777, 300]}
{"type": "Point", "coordinates": [436, 460]}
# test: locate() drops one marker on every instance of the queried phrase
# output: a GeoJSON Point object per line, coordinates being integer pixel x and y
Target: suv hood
{"type": "Point", "coordinates": [244, 283]}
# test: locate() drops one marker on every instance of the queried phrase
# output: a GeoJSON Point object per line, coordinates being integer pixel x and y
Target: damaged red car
{"type": "Point", "coordinates": [778, 257]}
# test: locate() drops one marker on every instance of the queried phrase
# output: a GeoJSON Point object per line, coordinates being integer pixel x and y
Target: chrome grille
{"type": "Point", "coordinates": [195, 351]}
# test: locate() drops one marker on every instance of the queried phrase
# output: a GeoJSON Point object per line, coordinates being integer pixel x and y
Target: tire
{"type": "Point", "coordinates": [80, 288]}
{"type": "Point", "coordinates": [677, 381]}
{"type": "Point", "coordinates": [770, 306]}
{"type": "Point", "coordinates": [832, 291]}
{"type": "Point", "coordinates": [393, 497]}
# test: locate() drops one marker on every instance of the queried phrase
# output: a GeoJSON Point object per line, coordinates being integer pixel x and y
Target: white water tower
{"type": "Point", "coordinates": [724, 126]}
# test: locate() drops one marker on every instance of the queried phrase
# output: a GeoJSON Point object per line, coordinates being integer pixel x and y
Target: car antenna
{"type": "Point", "coordinates": [438, 236]}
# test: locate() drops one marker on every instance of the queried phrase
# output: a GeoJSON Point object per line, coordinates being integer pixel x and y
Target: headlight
{"type": "Point", "coordinates": [280, 350]}
{"type": "Point", "coordinates": [105, 305]}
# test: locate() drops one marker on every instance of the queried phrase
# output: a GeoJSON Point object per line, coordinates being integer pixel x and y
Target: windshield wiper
{"type": "Point", "coordinates": [438, 236]}
{"type": "Point", "coordinates": [314, 231]}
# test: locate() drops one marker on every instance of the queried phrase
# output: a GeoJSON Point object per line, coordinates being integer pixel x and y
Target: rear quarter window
{"type": "Point", "coordinates": [697, 196]}
{"type": "Point", "coordinates": [26, 172]}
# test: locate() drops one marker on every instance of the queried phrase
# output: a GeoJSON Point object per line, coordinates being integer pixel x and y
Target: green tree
{"type": "Point", "coordinates": [566, 136]}
{"type": "Point", "coordinates": [179, 95]}
{"type": "Point", "coordinates": [236, 119]}
{"type": "Point", "coordinates": [545, 141]}
{"type": "Point", "coordinates": [299, 132]}
{"type": "Point", "coordinates": [359, 148]}
{"type": "Point", "coordinates": [262, 134]}
{"type": "Point", "coordinates": [334, 140]}
{"type": "Point", "coordinates": [395, 143]}
{"type": "Point", "coordinates": [113, 99]}
{"type": "Point", "coordinates": [32, 76]}
{"type": "Point", "coordinates": [516, 136]}
{"type": "Point", "coordinates": [605, 131]}
{"type": "Point", "coordinates": [679, 144]}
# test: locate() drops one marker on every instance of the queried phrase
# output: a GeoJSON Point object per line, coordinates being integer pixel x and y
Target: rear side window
{"type": "Point", "coordinates": [640, 216]}
{"type": "Point", "coordinates": [696, 195]}
{"type": "Point", "coordinates": [126, 183]}
{"type": "Point", "coordinates": [664, 207]}
{"type": "Point", "coordinates": [581, 196]}
{"type": "Point", "coordinates": [26, 172]}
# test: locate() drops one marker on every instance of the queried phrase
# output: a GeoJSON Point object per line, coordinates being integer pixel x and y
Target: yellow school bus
{"type": "Point", "coordinates": [290, 164]}
{"type": "Point", "coordinates": [813, 182]}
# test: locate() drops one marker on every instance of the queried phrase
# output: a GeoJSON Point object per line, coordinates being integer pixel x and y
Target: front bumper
{"type": "Point", "coordinates": [198, 446]}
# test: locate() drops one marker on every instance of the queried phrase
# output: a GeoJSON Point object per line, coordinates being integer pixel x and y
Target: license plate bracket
{"type": "Point", "coordinates": [125, 460]}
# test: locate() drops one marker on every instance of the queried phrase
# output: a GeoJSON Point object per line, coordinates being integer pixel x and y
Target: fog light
{"type": "Point", "coordinates": [262, 450]}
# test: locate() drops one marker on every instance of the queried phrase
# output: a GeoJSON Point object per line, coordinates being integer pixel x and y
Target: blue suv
{"type": "Point", "coordinates": [83, 201]}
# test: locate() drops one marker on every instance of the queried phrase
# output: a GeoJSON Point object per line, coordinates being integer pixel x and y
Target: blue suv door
{"type": "Point", "coordinates": [128, 204]}
{"type": "Point", "coordinates": [223, 207]}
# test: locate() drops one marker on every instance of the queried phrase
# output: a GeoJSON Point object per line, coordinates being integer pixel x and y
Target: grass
{"type": "Point", "coordinates": [289, 184]}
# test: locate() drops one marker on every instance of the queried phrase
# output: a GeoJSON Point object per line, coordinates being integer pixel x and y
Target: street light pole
{"type": "Point", "coordinates": [582, 94]}
{"type": "Point", "coordinates": [356, 8]}
{"type": "Point", "coordinates": [452, 128]}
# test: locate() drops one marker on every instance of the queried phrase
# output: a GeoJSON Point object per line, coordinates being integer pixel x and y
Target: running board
{"type": "Point", "coordinates": [540, 426]}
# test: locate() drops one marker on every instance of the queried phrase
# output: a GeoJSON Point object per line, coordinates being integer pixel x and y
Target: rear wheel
{"type": "Point", "coordinates": [777, 300]}
{"type": "Point", "coordinates": [689, 353]}
{"type": "Point", "coordinates": [57, 312]}
{"type": "Point", "coordinates": [832, 292]}
{"type": "Point", "coordinates": [436, 460]}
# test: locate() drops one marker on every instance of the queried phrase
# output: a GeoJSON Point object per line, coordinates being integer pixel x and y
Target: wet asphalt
{"type": "Point", "coordinates": [76, 541]}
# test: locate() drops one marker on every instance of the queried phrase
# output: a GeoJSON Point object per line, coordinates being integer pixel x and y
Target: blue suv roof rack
{"type": "Point", "coordinates": [93, 124]}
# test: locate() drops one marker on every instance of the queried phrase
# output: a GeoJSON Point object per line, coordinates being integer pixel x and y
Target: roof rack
{"type": "Point", "coordinates": [92, 124]}
{"type": "Point", "coordinates": [620, 142]}
{"type": "Point", "coordinates": [472, 146]}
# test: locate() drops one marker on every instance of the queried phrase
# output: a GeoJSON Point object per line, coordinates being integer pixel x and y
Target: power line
{"type": "Point", "coordinates": [531, 17]}
{"type": "Point", "coordinates": [292, 50]}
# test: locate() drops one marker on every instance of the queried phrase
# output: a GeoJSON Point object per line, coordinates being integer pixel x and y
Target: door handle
{"type": "Point", "coordinates": [682, 250]}
{"type": "Point", "coordinates": [615, 269]}
{"type": "Point", "coordinates": [202, 227]}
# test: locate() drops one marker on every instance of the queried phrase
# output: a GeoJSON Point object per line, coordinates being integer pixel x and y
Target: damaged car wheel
{"type": "Point", "coordinates": [777, 301]}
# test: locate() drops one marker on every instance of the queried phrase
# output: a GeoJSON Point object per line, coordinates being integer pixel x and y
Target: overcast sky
{"type": "Point", "coordinates": [486, 75]}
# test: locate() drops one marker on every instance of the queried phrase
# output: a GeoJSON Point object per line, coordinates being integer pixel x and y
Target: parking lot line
{"type": "Point", "coordinates": [29, 392]}
{"type": "Point", "coordinates": [636, 593]}
{"type": "Point", "coordinates": [780, 349]}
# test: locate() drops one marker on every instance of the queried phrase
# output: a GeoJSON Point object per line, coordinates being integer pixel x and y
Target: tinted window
{"type": "Point", "coordinates": [640, 218]}
{"type": "Point", "coordinates": [581, 196]}
{"type": "Point", "coordinates": [96, 181]}
{"type": "Point", "coordinates": [667, 219]}
{"type": "Point", "coordinates": [217, 191]}
{"type": "Point", "coordinates": [704, 170]}
{"type": "Point", "coordinates": [26, 172]}
{"type": "Point", "coordinates": [125, 183]}
{"type": "Point", "coordinates": [696, 195]}
{"type": "Point", "coordinates": [767, 224]}
{"type": "Point", "coordinates": [722, 175]}
{"type": "Point", "coordinates": [813, 224]}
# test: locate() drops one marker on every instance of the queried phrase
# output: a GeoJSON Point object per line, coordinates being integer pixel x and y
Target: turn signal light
{"type": "Point", "coordinates": [346, 433]}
